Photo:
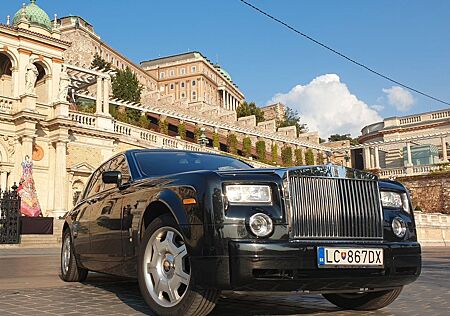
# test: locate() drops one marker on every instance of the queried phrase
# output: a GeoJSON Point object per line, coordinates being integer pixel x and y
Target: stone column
{"type": "Point", "coordinates": [444, 149]}
{"type": "Point", "coordinates": [377, 158]}
{"type": "Point", "coordinates": [105, 96]}
{"type": "Point", "coordinates": [367, 165]}
{"type": "Point", "coordinates": [27, 146]}
{"type": "Point", "coordinates": [223, 99]}
{"type": "Point", "coordinates": [99, 99]}
{"type": "Point", "coordinates": [60, 179]}
{"type": "Point", "coordinates": [409, 155]}
{"type": "Point", "coordinates": [3, 178]}
{"type": "Point", "coordinates": [372, 158]}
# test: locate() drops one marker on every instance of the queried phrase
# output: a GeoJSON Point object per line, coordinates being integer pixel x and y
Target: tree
{"type": "Point", "coordinates": [309, 157]}
{"type": "Point", "coordinates": [275, 153]}
{"type": "Point", "coordinates": [261, 150]}
{"type": "Point", "coordinates": [100, 63]}
{"type": "Point", "coordinates": [144, 121]}
{"type": "Point", "coordinates": [320, 158]}
{"type": "Point", "coordinates": [247, 109]}
{"type": "Point", "coordinates": [163, 126]}
{"type": "Point", "coordinates": [232, 144]}
{"type": "Point", "coordinates": [339, 137]}
{"type": "Point", "coordinates": [216, 140]}
{"type": "Point", "coordinates": [286, 156]}
{"type": "Point", "coordinates": [298, 157]}
{"type": "Point", "coordinates": [126, 86]}
{"type": "Point", "coordinates": [247, 147]}
{"type": "Point", "coordinates": [291, 118]}
{"type": "Point", "coordinates": [182, 130]}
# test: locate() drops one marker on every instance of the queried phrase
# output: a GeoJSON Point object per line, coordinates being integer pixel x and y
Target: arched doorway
{"type": "Point", "coordinates": [6, 82]}
{"type": "Point", "coordinates": [42, 82]}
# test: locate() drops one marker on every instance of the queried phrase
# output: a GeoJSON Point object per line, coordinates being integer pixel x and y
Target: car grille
{"type": "Point", "coordinates": [334, 208]}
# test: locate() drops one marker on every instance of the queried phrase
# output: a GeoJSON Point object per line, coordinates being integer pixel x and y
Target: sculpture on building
{"type": "Point", "coordinates": [64, 83]}
{"type": "Point", "coordinates": [29, 203]}
{"type": "Point", "coordinates": [31, 77]}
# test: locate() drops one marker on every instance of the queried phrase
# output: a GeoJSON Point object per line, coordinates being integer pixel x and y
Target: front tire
{"type": "Point", "coordinates": [70, 271]}
{"type": "Point", "coordinates": [364, 301]}
{"type": "Point", "coordinates": [164, 272]}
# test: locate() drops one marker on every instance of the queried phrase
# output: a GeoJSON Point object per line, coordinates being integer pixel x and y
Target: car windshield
{"type": "Point", "coordinates": [162, 163]}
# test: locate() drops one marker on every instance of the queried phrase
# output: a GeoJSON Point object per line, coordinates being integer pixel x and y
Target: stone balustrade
{"type": "Point", "coordinates": [408, 171]}
{"type": "Point", "coordinates": [83, 119]}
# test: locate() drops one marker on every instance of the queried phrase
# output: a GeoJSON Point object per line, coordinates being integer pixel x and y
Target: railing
{"type": "Point", "coordinates": [410, 120]}
{"type": "Point", "coordinates": [83, 118]}
{"type": "Point", "coordinates": [122, 128]}
{"type": "Point", "coordinates": [409, 171]}
{"type": "Point", "coordinates": [424, 117]}
{"type": "Point", "coordinates": [440, 115]}
{"type": "Point", "coordinates": [6, 104]}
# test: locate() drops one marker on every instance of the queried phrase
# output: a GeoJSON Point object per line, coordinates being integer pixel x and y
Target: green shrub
{"type": "Point", "coordinates": [216, 141]}
{"type": "Point", "coordinates": [261, 150]}
{"type": "Point", "coordinates": [247, 147]}
{"type": "Point", "coordinates": [320, 158]}
{"type": "Point", "coordinates": [232, 144]}
{"type": "Point", "coordinates": [163, 127]}
{"type": "Point", "coordinates": [309, 157]}
{"type": "Point", "coordinates": [286, 156]}
{"type": "Point", "coordinates": [182, 130]}
{"type": "Point", "coordinates": [298, 157]}
{"type": "Point", "coordinates": [275, 153]}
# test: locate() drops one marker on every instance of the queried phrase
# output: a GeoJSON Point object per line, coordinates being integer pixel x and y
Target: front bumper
{"type": "Point", "coordinates": [292, 266]}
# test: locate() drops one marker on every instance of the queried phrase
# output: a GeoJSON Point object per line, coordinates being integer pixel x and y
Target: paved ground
{"type": "Point", "coordinates": [29, 285]}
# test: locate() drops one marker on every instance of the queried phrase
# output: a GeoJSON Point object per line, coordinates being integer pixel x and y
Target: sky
{"type": "Point", "coordinates": [408, 40]}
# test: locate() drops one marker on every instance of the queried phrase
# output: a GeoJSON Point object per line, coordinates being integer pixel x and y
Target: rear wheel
{"type": "Point", "coordinates": [70, 271]}
{"type": "Point", "coordinates": [164, 272]}
{"type": "Point", "coordinates": [364, 301]}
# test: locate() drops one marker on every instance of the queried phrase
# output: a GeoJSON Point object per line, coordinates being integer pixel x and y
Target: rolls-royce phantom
{"type": "Point", "coordinates": [189, 225]}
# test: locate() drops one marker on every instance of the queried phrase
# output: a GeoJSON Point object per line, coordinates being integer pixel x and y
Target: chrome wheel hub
{"type": "Point", "coordinates": [65, 255]}
{"type": "Point", "coordinates": [166, 267]}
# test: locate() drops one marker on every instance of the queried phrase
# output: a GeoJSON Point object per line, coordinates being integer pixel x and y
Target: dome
{"type": "Point", "coordinates": [35, 15]}
{"type": "Point", "coordinates": [223, 71]}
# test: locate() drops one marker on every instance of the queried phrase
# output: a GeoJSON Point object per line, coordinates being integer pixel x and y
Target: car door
{"type": "Point", "coordinates": [106, 224]}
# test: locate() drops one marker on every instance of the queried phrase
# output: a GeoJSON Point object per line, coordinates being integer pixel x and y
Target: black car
{"type": "Point", "coordinates": [189, 225]}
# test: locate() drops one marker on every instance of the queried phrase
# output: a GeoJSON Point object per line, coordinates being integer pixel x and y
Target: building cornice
{"type": "Point", "coordinates": [19, 33]}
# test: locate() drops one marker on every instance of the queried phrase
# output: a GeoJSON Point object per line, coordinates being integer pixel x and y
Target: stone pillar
{"type": "Point", "coordinates": [99, 99]}
{"type": "Point", "coordinates": [223, 99]}
{"type": "Point", "coordinates": [366, 153]}
{"type": "Point", "coordinates": [60, 179]}
{"type": "Point", "coordinates": [409, 155]}
{"type": "Point", "coordinates": [372, 158]}
{"type": "Point", "coordinates": [444, 149]}
{"type": "Point", "coordinates": [27, 146]}
{"type": "Point", "coordinates": [3, 178]}
{"type": "Point", "coordinates": [377, 158]}
{"type": "Point", "coordinates": [105, 109]}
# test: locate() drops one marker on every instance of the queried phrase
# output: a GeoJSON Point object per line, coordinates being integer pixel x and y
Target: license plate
{"type": "Point", "coordinates": [331, 257]}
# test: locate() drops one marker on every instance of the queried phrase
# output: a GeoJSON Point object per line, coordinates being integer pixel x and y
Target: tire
{"type": "Point", "coordinates": [365, 301]}
{"type": "Point", "coordinates": [70, 271]}
{"type": "Point", "coordinates": [163, 256]}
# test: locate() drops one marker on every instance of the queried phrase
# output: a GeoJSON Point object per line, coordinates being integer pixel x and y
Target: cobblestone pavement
{"type": "Point", "coordinates": [29, 285]}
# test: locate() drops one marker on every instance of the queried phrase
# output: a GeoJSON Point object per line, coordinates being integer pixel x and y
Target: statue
{"type": "Point", "coordinates": [29, 204]}
{"type": "Point", "coordinates": [31, 77]}
{"type": "Point", "coordinates": [64, 83]}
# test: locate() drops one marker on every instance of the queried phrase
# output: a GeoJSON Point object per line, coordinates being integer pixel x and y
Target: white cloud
{"type": "Point", "coordinates": [378, 107]}
{"type": "Point", "coordinates": [326, 105]}
{"type": "Point", "coordinates": [400, 98]}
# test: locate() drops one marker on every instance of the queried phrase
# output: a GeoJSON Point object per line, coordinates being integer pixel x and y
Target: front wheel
{"type": "Point", "coordinates": [364, 301]}
{"type": "Point", "coordinates": [164, 272]}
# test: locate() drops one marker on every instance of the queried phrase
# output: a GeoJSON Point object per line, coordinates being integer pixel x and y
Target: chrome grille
{"type": "Point", "coordinates": [334, 208]}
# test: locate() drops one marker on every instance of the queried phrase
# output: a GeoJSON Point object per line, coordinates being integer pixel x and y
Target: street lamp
{"type": "Point", "coordinates": [203, 140]}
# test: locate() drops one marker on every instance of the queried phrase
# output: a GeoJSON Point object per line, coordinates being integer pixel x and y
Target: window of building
{"type": "Point", "coordinates": [171, 73]}
{"type": "Point", "coordinates": [172, 86]}
{"type": "Point", "coordinates": [183, 95]}
{"type": "Point", "coordinates": [182, 84]}
{"type": "Point", "coordinates": [182, 71]}
{"type": "Point", "coordinates": [194, 69]}
{"type": "Point", "coordinates": [194, 82]}
{"type": "Point", "coordinates": [194, 95]}
{"type": "Point", "coordinates": [161, 75]}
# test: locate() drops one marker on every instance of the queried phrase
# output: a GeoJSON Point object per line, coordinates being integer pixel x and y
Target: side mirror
{"type": "Point", "coordinates": [113, 177]}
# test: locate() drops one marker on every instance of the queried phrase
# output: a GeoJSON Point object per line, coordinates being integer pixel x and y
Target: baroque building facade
{"type": "Point", "coordinates": [44, 65]}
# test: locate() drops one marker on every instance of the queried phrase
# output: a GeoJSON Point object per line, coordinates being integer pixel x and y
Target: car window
{"type": "Point", "coordinates": [118, 163]}
{"type": "Point", "coordinates": [162, 163]}
{"type": "Point", "coordinates": [96, 184]}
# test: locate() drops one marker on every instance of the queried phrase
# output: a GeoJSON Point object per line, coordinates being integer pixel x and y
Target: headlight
{"type": "Point", "coordinates": [405, 202]}
{"type": "Point", "coordinates": [260, 224]}
{"type": "Point", "coordinates": [391, 199]}
{"type": "Point", "coordinates": [398, 227]}
{"type": "Point", "coordinates": [248, 194]}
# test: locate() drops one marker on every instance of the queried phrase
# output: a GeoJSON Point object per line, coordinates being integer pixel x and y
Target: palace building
{"type": "Point", "coordinates": [44, 71]}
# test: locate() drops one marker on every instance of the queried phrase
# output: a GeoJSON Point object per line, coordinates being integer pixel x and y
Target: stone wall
{"type": "Point", "coordinates": [433, 229]}
{"type": "Point", "coordinates": [430, 193]}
